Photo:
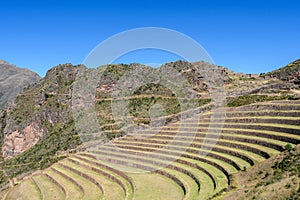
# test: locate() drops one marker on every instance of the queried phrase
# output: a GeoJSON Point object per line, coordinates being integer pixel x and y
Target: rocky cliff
{"type": "Point", "coordinates": [38, 110]}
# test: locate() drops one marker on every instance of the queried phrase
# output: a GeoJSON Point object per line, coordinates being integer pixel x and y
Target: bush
{"type": "Point", "coordinates": [288, 147]}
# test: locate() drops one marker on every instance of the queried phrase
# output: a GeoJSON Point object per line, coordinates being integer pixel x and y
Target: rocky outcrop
{"type": "Point", "coordinates": [13, 80]}
{"type": "Point", "coordinates": [40, 109]}
{"type": "Point", "coordinates": [17, 142]}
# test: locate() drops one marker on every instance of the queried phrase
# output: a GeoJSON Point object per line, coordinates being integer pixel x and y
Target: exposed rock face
{"type": "Point", "coordinates": [17, 141]}
{"type": "Point", "coordinates": [12, 81]}
{"type": "Point", "coordinates": [38, 111]}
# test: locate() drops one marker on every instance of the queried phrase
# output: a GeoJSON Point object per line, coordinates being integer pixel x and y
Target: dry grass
{"type": "Point", "coordinates": [25, 191]}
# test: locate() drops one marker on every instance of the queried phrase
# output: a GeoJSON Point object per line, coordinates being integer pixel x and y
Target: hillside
{"type": "Point", "coordinates": [275, 178]}
{"type": "Point", "coordinates": [290, 73]}
{"type": "Point", "coordinates": [158, 166]}
{"type": "Point", "coordinates": [262, 119]}
{"type": "Point", "coordinates": [13, 80]}
{"type": "Point", "coordinates": [40, 122]}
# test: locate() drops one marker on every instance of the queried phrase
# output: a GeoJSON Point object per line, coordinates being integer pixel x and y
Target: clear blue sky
{"type": "Point", "coordinates": [250, 36]}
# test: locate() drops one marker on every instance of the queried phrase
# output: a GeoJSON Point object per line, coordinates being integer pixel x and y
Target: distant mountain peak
{"type": "Point", "coordinates": [13, 80]}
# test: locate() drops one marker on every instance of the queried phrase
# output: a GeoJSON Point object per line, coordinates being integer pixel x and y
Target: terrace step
{"type": "Point", "coordinates": [199, 143]}
{"type": "Point", "coordinates": [172, 135]}
{"type": "Point", "coordinates": [181, 167]}
{"type": "Point", "coordinates": [72, 190]}
{"type": "Point", "coordinates": [256, 113]}
{"type": "Point", "coordinates": [125, 180]}
{"type": "Point", "coordinates": [72, 182]}
{"type": "Point", "coordinates": [82, 174]}
{"type": "Point", "coordinates": [112, 187]}
{"type": "Point", "coordinates": [48, 189]}
{"type": "Point", "coordinates": [165, 156]}
{"type": "Point", "coordinates": [284, 121]}
{"type": "Point", "coordinates": [268, 106]}
{"type": "Point", "coordinates": [91, 191]}
{"type": "Point", "coordinates": [182, 180]}
{"type": "Point", "coordinates": [162, 157]}
{"type": "Point", "coordinates": [177, 151]}
{"type": "Point", "coordinates": [283, 128]}
{"type": "Point", "coordinates": [285, 137]}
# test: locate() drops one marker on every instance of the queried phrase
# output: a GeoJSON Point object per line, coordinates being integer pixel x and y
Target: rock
{"type": "Point", "coordinates": [38, 110]}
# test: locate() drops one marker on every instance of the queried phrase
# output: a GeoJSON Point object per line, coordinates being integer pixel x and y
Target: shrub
{"type": "Point", "coordinates": [288, 147]}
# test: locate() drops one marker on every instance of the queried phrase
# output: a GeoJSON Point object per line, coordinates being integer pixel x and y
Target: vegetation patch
{"type": "Point", "coordinates": [249, 99]}
{"type": "Point", "coordinates": [44, 153]}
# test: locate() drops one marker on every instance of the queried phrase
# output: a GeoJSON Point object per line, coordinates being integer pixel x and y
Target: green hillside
{"type": "Point", "coordinates": [247, 152]}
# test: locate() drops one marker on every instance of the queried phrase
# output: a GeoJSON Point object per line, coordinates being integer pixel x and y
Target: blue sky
{"type": "Point", "coordinates": [249, 36]}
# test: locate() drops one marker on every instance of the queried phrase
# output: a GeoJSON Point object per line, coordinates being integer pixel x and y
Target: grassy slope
{"type": "Point", "coordinates": [275, 178]}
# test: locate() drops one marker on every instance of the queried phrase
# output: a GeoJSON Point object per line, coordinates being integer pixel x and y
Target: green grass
{"type": "Point", "coordinates": [49, 190]}
{"type": "Point", "coordinates": [267, 149]}
{"type": "Point", "coordinates": [206, 182]}
{"type": "Point", "coordinates": [187, 181]}
{"type": "Point", "coordinates": [126, 183]}
{"type": "Point", "coordinates": [151, 186]}
{"type": "Point", "coordinates": [111, 189]}
{"type": "Point", "coordinates": [72, 191]}
{"type": "Point", "coordinates": [241, 130]}
{"type": "Point", "coordinates": [90, 190]}
{"type": "Point", "coordinates": [239, 161]}
{"type": "Point", "coordinates": [297, 127]}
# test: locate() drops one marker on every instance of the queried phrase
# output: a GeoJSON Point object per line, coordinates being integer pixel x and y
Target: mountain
{"type": "Point", "coordinates": [39, 127]}
{"type": "Point", "coordinates": [39, 110]}
{"type": "Point", "coordinates": [290, 73]}
{"type": "Point", "coordinates": [13, 80]}
{"type": "Point", "coordinates": [46, 106]}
